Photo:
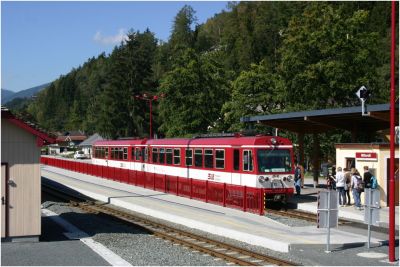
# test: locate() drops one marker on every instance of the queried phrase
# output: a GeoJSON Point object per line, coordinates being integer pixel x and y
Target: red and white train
{"type": "Point", "coordinates": [256, 161]}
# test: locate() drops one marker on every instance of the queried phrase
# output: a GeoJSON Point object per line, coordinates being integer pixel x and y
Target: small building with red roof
{"type": "Point", "coordinates": [21, 143]}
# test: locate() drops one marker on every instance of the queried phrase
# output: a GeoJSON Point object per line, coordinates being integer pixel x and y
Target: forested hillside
{"type": "Point", "coordinates": [254, 58]}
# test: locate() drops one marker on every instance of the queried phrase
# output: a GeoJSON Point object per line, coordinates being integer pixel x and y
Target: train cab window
{"type": "Point", "coordinates": [125, 153]}
{"type": "Point", "coordinates": [198, 157]}
{"type": "Point", "coordinates": [177, 156]}
{"type": "Point", "coordinates": [208, 158]}
{"type": "Point", "coordinates": [106, 152]}
{"type": "Point", "coordinates": [247, 160]}
{"type": "Point", "coordinates": [274, 160]}
{"type": "Point", "coordinates": [155, 155]}
{"type": "Point", "coordinates": [168, 157]}
{"type": "Point", "coordinates": [162, 155]}
{"type": "Point", "coordinates": [137, 154]}
{"type": "Point", "coordinates": [189, 157]}
{"type": "Point", "coordinates": [220, 158]}
{"type": "Point", "coordinates": [236, 159]}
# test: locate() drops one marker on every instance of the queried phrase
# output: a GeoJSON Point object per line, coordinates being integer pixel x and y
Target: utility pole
{"type": "Point", "coordinates": [150, 98]}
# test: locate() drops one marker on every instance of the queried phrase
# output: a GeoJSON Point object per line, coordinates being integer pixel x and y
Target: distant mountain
{"type": "Point", "coordinates": [7, 95]}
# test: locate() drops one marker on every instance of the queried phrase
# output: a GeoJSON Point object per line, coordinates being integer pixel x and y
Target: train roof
{"type": "Point", "coordinates": [219, 141]}
{"type": "Point", "coordinates": [215, 141]}
{"type": "Point", "coordinates": [128, 142]}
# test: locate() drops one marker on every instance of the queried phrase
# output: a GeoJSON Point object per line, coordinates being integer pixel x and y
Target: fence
{"type": "Point", "coordinates": [234, 196]}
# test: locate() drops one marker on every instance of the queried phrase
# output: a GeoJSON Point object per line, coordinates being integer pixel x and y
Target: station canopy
{"type": "Point", "coordinates": [318, 121]}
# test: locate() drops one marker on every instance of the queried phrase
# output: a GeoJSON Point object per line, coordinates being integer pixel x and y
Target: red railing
{"type": "Point", "coordinates": [234, 196]}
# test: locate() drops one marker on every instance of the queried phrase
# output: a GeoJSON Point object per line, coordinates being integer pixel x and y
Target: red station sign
{"type": "Point", "coordinates": [367, 155]}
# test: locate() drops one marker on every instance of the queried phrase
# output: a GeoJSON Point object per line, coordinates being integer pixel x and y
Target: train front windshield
{"type": "Point", "coordinates": [274, 160]}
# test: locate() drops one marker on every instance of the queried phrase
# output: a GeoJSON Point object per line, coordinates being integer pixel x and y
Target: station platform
{"type": "Point", "coordinates": [53, 249]}
{"type": "Point", "coordinates": [307, 201]}
{"type": "Point", "coordinates": [235, 224]}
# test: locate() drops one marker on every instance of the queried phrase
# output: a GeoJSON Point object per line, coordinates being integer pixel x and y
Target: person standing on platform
{"type": "Point", "coordinates": [367, 177]}
{"type": "Point", "coordinates": [297, 179]}
{"type": "Point", "coordinates": [356, 182]}
{"type": "Point", "coordinates": [347, 186]}
{"type": "Point", "coordinates": [340, 184]}
{"type": "Point", "coordinates": [302, 175]}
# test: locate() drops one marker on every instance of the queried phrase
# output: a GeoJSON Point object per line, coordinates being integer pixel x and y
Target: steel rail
{"type": "Point", "coordinates": [215, 248]}
{"type": "Point", "coordinates": [302, 215]}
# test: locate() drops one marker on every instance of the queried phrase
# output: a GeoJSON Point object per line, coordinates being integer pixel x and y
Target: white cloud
{"type": "Point", "coordinates": [112, 39]}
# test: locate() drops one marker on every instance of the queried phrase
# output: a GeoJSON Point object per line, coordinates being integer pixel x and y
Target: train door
{"type": "Point", "coordinates": [236, 177]}
{"type": "Point", "coordinates": [4, 200]}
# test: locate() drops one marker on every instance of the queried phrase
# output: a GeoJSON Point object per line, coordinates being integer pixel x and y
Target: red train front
{"type": "Point", "coordinates": [256, 161]}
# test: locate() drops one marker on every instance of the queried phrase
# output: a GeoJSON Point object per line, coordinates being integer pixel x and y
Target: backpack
{"type": "Point", "coordinates": [374, 182]}
{"type": "Point", "coordinates": [360, 184]}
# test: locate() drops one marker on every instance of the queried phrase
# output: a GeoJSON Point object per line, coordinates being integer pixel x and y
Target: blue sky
{"type": "Point", "coordinates": [42, 40]}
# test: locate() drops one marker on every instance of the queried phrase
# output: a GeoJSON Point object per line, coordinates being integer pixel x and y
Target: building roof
{"type": "Point", "coordinates": [70, 136]}
{"type": "Point", "coordinates": [90, 141]}
{"type": "Point", "coordinates": [43, 138]}
{"type": "Point", "coordinates": [317, 121]}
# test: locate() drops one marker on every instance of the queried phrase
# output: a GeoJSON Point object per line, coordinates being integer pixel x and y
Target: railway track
{"type": "Point", "coordinates": [214, 248]}
{"type": "Point", "coordinates": [302, 215]}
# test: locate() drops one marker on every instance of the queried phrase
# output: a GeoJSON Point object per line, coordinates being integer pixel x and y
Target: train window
{"type": "Point", "coordinates": [208, 158]}
{"type": "Point", "coordinates": [125, 153]}
{"type": "Point", "coordinates": [137, 154]}
{"type": "Point", "coordinates": [247, 160]}
{"type": "Point", "coordinates": [236, 159]}
{"type": "Point", "coordinates": [132, 153]}
{"type": "Point", "coordinates": [189, 157]}
{"type": "Point", "coordinates": [220, 158]}
{"type": "Point", "coordinates": [162, 155]}
{"type": "Point", "coordinates": [105, 152]}
{"type": "Point", "coordinates": [168, 152]}
{"type": "Point", "coordinates": [155, 155]}
{"type": "Point", "coordinates": [177, 156]}
{"type": "Point", "coordinates": [112, 153]}
{"type": "Point", "coordinates": [198, 157]}
{"type": "Point", "coordinates": [146, 153]}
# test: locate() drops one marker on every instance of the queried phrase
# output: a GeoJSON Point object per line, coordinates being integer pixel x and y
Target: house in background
{"type": "Point", "coordinates": [21, 144]}
{"type": "Point", "coordinates": [66, 140]}
{"type": "Point", "coordinates": [86, 146]}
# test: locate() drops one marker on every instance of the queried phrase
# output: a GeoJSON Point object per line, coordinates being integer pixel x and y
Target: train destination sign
{"type": "Point", "coordinates": [367, 156]}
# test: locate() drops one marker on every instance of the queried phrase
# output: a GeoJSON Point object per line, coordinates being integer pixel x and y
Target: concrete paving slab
{"type": "Point", "coordinates": [53, 249]}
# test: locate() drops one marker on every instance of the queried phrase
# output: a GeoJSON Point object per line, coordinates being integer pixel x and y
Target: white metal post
{"type": "Point", "coordinates": [329, 219]}
{"type": "Point", "coordinates": [369, 192]}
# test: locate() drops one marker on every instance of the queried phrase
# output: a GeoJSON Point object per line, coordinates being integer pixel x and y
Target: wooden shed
{"type": "Point", "coordinates": [21, 142]}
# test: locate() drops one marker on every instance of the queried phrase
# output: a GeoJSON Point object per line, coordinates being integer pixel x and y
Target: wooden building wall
{"type": "Point", "coordinates": [19, 150]}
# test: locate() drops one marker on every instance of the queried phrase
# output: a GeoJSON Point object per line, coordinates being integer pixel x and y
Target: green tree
{"type": "Point", "coordinates": [254, 92]}
{"type": "Point", "coordinates": [195, 90]}
{"type": "Point", "coordinates": [326, 57]}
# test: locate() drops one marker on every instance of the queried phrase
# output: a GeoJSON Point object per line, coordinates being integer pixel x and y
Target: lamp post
{"type": "Point", "coordinates": [150, 98]}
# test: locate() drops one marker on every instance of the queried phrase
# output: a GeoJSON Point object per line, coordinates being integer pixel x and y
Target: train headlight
{"type": "Point", "coordinates": [266, 179]}
{"type": "Point", "coordinates": [273, 141]}
{"type": "Point", "coordinates": [261, 179]}
{"type": "Point", "coordinates": [289, 178]}
{"type": "Point", "coordinates": [284, 178]}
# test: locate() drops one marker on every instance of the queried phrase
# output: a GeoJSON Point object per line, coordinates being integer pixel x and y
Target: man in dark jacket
{"type": "Point", "coordinates": [367, 177]}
